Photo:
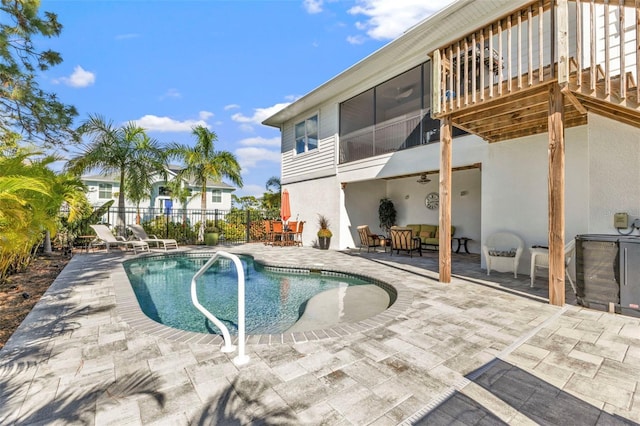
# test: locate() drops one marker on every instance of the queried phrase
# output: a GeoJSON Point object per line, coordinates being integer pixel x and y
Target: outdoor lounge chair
{"type": "Point", "coordinates": [104, 236]}
{"type": "Point", "coordinates": [403, 239]}
{"type": "Point", "coordinates": [368, 239]}
{"type": "Point", "coordinates": [502, 252]}
{"type": "Point", "coordinates": [540, 259]}
{"type": "Point", "coordinates": [140, 234]}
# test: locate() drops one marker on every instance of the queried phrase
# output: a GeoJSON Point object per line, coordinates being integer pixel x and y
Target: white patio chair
{"type": "Point", "coordinates": [540, 259]}
{"type": "Point", "coordinates": [104, 236]}
{"type": "Point", "coordinates": [140, 234]}
{"type": "Point", "coordinates": [502, 252]}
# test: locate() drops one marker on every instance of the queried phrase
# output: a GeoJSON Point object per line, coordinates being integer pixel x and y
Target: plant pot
{"type": "Point", "coordinates": [211, 238]}
{"type": "Point", "coordinates": [324, 242]}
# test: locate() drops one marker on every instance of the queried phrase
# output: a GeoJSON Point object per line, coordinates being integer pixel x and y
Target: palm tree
{"type": "Point", "coordinates": [126, 151]}
{"type": "Point", "coordinates": [271, 198]}
{"type": "Point", "coordinates": [64, 189]}
{"type": "Point", "coordinates": [180, 192]}
{"type": "Point", "coordinates": [273, 184]}
{"type": "Point", "coordinates": [139, 182]}
{"type": "Point", "coordinates": [31, 195]}
{"type": "Point", "coordinates": [202, 163]}
{"type": "Point", "coordinates": [21, 228]}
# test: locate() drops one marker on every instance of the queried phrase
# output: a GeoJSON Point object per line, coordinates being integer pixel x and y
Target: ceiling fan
{"type": "Point", "coordinates": [399, 93]}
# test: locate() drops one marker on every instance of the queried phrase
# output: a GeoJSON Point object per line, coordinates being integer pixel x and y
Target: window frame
{"type": "Point", "coordinates": [358, 143]}
{"type": "Point", "coordinates": [102, 189]}
{"type": "Point", "coordinates": [215, 192]}
{"type": "Point", "coordinates": [305, 138]}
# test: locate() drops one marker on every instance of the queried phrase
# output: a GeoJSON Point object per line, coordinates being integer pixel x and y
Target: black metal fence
{"type": "Point", "coordinates": [234, 226]}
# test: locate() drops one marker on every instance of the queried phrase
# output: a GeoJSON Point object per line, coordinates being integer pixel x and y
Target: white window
{"type": "Point", "coordinates": [307, 135]}
{"type": "Point", "coordinates": [216, 196]}
{"type": "Point", "coordinates": [105, 191]}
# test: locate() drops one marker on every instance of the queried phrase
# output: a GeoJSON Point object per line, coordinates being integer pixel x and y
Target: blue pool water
{"type": "Point", "coordinates": [274, 300]}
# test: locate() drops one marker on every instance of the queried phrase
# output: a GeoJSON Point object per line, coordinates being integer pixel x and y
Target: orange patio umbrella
{"type": "Point", "coordinates": [285, 207]}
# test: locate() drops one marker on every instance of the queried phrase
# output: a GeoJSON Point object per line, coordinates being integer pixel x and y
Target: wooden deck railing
{"type": "Point", "coordinates": [590, 46]}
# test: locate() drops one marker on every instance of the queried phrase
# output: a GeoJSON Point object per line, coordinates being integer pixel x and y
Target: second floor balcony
{"type": "Point", "coordinates": [494, 82]}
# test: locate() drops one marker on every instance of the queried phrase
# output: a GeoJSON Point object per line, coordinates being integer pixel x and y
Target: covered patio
{"type": "Point", "coordinates": [466, 267]}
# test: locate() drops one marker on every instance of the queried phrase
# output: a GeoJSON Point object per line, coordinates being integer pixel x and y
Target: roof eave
{"type": "Point", "coordinates": [430, 34]}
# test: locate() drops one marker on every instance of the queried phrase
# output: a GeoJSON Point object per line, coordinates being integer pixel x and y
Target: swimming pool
{"type": "Point", "coordinates": [277, 300]}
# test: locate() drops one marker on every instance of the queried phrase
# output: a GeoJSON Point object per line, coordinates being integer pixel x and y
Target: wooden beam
{"type": "Point", "coordinates": [556, 197]}
{"type": "Point", "coordinates": [574, 101]}
{"type": "Point", "coordinates": [445, 200]}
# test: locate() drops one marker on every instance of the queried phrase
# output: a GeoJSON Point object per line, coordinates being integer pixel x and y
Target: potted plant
{"type": "Point", "coordinates": [386, 214]}
{"type": "Point", "coordinates": [211, 234]}
{"type": "Point", "coordinates": [324, 233]}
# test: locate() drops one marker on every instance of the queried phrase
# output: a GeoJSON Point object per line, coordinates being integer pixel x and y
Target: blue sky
{"type": "Point", "coordinates": [172, 64]}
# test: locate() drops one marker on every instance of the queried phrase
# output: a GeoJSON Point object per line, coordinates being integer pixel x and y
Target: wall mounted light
{"type": "Point", "coordinates": [423, 179]}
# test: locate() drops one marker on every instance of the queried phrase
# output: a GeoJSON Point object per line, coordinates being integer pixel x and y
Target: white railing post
{"type": "Point", "coordinates": [228, 347]}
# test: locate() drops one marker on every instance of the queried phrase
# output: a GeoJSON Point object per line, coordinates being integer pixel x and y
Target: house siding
{"type": "Point", "coordinates": [509, 189]}
{"type": "Point", "coordinates": [155, 200]}
{"type": "Point", "coordinates": [313, 164]}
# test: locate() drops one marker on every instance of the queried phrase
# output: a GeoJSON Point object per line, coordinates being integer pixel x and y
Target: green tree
{"type": "Point", "coordinates": [64, 189]}
{"type": "Point", "coordinates": [31, 195]}
{"type": "Point", "coordinates": [273, 184]}
{"type": "Point", "coordinates": [271, 198]}
{"type": "Point", "coordinates": [139, 181]}
{"type": "Point", "coordinates": [125, 151]}
{"type": "Point", "coordinates": [246, 202]}
{"type": "Point", "coordinates": [25, 109]}
{"type": "Point", "coordinates": [180, 192]}
{"type": "Point", "coordinates": [202, 163]}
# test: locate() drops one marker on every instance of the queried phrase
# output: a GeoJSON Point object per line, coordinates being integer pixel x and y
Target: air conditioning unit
{"type": "Point", "coordinates": [608, 271]}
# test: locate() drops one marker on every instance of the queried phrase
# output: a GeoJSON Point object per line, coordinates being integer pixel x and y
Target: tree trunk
{"type": "Point", "coordinates": [47, 242]}
{"type": "Point", "coordinates": [121, 221]}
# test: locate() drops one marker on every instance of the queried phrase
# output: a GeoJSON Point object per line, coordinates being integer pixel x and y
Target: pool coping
{"type": "Point", "coordinates": [129, 310]}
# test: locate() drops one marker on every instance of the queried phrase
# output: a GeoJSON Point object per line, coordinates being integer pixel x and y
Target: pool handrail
{"type": "Point", "coordinates": [228, 347]}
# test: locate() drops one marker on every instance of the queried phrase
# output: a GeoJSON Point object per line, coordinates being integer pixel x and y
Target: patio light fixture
{"type": "Point", "coordinates": [423, 179]}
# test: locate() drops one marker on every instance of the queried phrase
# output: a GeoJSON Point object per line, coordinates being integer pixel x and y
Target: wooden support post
{"type": "Point", "coordinates": [437, 94]}
{"type": "Point", "coordinates": [556, 197]}
{"type": "Point", "coordinates": [562, 22]}
{"type": "Point", "coordinates": [445, 200]}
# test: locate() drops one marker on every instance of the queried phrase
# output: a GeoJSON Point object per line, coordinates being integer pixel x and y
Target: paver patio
{"type": "Point", "coordinates": [462, 353]}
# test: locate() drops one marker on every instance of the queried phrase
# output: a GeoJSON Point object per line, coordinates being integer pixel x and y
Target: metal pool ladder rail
{"type": "Point", "coordinates": [228, 347]}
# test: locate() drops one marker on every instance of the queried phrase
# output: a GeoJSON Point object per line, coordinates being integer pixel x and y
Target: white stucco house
{"type": "Point", "coordinates": [376, 128]}
{"type": "Point", "coordinates": [104, 188]}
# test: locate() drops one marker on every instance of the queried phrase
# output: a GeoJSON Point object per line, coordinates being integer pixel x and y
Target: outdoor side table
{"type": "Point", "coordinates": [462, 242]}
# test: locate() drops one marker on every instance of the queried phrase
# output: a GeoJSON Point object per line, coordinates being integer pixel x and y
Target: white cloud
{"type": "Point", "coordinates": [154, 123]}
{"type": "Point", "coordinates": [260, 141]}
{"type": "Point", "coordinates": [356, 39]}
{"type": "Point", "coordinates": [259, 114]}
{"type": "Point", "coordinates": [254, 190]}
{"type": "Point", "coordinates": [312, 6]}
{"type": "Point", "coordinates": [249, 157]}
{"type": "Point", "coordinates": [246, 128]}
{"type": "Point", "coordinates": [205, 115]}
{"type": "Point", "coordinates": [171, 93]}
{"type": "Point", "coordinates": [231, 106]}
{"type": "Point", "coordinates": [79, 78]}
{"type": "Point", "coordinates": [387, 19]}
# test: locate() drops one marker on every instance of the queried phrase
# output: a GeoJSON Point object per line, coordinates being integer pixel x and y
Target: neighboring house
{"type": "Point", "coordinates": [104, 188]}
{"type": "Point", "coordinates": [374, 130]}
